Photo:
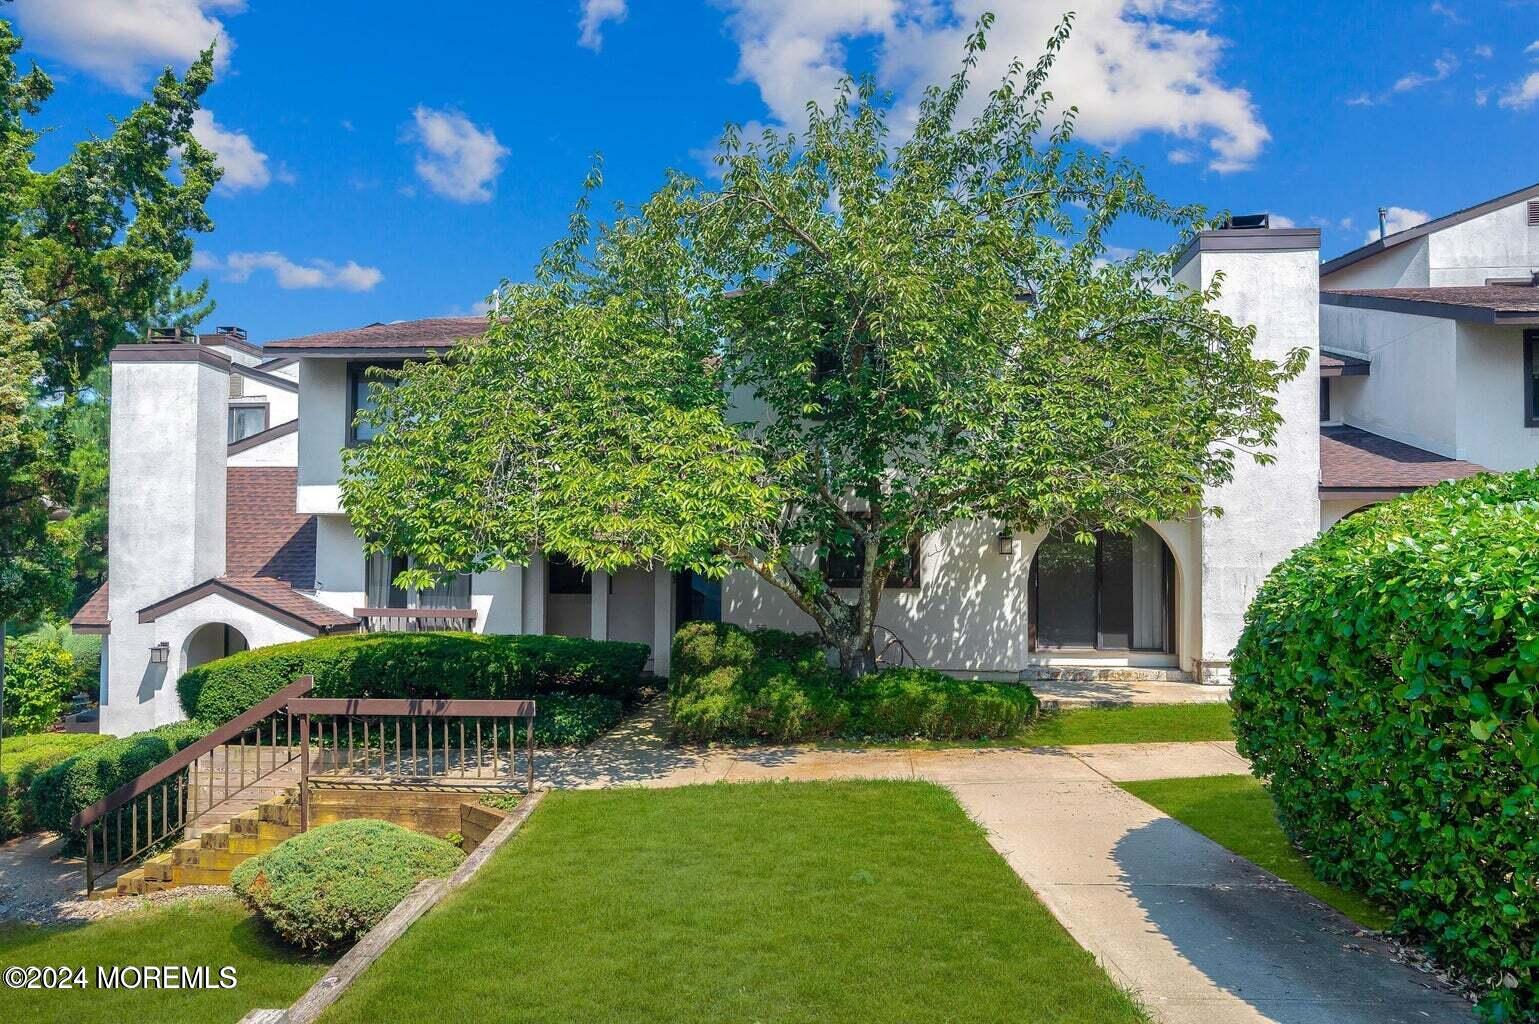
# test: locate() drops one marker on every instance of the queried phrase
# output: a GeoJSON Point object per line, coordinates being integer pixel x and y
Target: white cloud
{"type": "Point", "coordinates": [1532, 47]}
{"type": "Point", "coordinates": [456, 159]}
{"type": "Point", "coordinates": [1280, 221]}
{"type": "Point", "coordinates": [1453, 16]}
{"type": "Point", "coordinates": [122, 42]}
{"type": "Point", "coordinates": [1131, 66]}
{"type": "Point", "coordinates": [1484, 52]}
{"type": "Point", "coordinates": [1444, 66]}
{"type": "Point", "coordinates": [1522, 95]}
{"type": "Point", "coordinates": [239, 266]}
{"type": "Point", "coordinates": [1398, 218]}
{"type": "Point", "coordinates": [594, 14]}
{"type": "Point", "coordinates": [244, 165]}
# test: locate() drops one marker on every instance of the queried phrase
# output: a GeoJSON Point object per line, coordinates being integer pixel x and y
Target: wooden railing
{"type": "Point", "coordinates": [414, 620]}
{"type": "Point", "coordinates": [160, 803]}
{"type": "Point", "coordinates": [402, 744]}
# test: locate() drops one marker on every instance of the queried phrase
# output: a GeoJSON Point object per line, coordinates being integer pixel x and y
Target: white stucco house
{"type": "Point", "coordinates": [226, 528]}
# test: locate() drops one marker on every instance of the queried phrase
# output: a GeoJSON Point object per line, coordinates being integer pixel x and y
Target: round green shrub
{"type": "Point", "coordinates": [1385, 687]}
{"type": "Point", "coordinates": [923, 703]}
{"type": "Point", "coordinates": [24, 758]}
{"type": "Point", "coordinates": [323, 889]}
{"type": "Point", "coordinates": [39, 674]}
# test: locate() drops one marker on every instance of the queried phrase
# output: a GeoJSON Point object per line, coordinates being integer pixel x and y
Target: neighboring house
{"type": "Point", "coordinates": [218, 545]}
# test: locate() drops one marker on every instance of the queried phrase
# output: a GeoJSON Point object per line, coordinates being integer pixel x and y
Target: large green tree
{"type": "Point", "coordinates": [843, 345]}
{"type": "Point", "coordinates": [90, 251]}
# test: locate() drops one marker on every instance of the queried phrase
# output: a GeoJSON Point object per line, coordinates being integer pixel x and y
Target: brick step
{"type": "Point", "coordinates": [209, 858]}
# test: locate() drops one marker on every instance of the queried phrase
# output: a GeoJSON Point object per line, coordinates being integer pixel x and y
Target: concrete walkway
{"type": "Point", "coordinates": [1200, 935]}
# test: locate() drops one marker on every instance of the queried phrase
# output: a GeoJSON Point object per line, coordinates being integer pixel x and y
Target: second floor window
{"type": "Point", "coordinates": [245, 420]}
{"type": "Point", "coordinates": [380, 591]}
{"type": "Point", "coordinates": [1531, 378]}
{"type": "Point", "coordinates": [359, 399]}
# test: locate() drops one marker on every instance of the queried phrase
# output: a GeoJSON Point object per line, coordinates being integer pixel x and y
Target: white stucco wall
{"type": "Point", "coordinates": [280, 451]}
{"type": "Point", "coordinates": [1403, 266]}
{"type": "Point", "coordinates": [1268, 511]}
{"type": "Point", "coordinates": [1498, 245]}
{"type": "Point", "coordinates": [322, 434]}
{"type": "Point", "coordinates": [1489, 398]}
{"type": "Point", "coordinates": [1408, 394]}
{"type": "Point", "coordinates": [166, 528]}
{"type": "Point", "coordinates": [1334, 510]}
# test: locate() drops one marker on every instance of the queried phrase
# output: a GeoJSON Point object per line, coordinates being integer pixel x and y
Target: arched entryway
{"type": "Point", "coordinates": [1116, 594]}
{"type": "Point", "coordinates": [212, 641]}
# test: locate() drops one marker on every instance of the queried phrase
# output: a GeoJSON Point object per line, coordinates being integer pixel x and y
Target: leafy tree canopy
{"type": "Point", "coordinates": [845, 343]}
{"type": "Point", "coordinates": [90, 251]}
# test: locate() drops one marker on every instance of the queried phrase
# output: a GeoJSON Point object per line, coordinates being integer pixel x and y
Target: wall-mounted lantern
{"type": "Point", "coordinates": [1006, 542]}
{"type": "Point", "coordinates": [160, 654]}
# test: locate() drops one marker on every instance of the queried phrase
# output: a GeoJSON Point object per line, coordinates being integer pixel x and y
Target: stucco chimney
{"type": "Point", "coordinates": [166, 511]}
{"type": "Point", "coordinates": [1271, 281]}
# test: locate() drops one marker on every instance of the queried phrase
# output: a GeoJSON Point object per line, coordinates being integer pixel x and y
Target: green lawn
{"type": "Point", "coordinates": [1236, 812]}
{"type": "Point", "coordinates": [216, 932]}
{"type": "Point", "coordinates": [1135, 723]}
{"type": "Point", "coordinates": [869, 901]}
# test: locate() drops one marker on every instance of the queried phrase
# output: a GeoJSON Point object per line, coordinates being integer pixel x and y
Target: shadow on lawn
{"type": "Point", "coordinates": [1292, 958]}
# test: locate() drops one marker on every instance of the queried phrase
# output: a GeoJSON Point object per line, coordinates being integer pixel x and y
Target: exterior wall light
{"type": "Point", "coordinates": [160, 654]}
{"type": "Point", "coordinates": [1006, 542]}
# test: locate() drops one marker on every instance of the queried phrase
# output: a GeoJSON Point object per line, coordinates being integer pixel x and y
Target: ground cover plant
{"type": "Point", "coordinates": [779, 901]}
{"type": "Point", "coordinates": [1236, 812]}
{"type": "Point", "coordinates": [323, 889]}
{"type": "Point", "coordinates": [728, 683]}
{"type": "Point", "coordinates": [1385, 688]}
{"type": "Point", "coordinates": [203, 932]}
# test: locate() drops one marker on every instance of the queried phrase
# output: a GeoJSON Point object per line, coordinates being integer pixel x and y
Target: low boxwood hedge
{"type": "Point", "coordinates": [24, 758]}
{"type": "Point", "coordinates": [1385, 688]}
{"type": "Point", "coordinates": [323, 889]}
{"type": "Point", "coordinates": [463, 665]}
{"type": "Point", "coordinates": [62, 790]}
{"type": "Point", "coordinates": [733, 684]}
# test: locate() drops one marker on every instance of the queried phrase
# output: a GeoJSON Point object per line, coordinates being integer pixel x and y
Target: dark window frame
{"type": "Point", "coordinates": [896, 580]}
{"type": "Point", "coordinates": [229, 418]}
{"type": "Point", "coordinates": [1530, 382]}
{"type": "Point", "coordinates": [1171, 643]}
{"type": "Point", "coordinates": [1325, 399]}
{"type": "Point", "coordinates": [411, 597]}
{"type": "Point", "coordinates": [565, 577]}
{"type": "Point", "coordinates": [357, 373]}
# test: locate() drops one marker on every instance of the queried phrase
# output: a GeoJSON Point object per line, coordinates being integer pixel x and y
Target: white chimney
{"type": "Point", "coordinates": [166, 512]}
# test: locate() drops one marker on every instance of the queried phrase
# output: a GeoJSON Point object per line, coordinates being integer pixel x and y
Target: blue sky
{"type": "Point", "coordinates": [391, 160]}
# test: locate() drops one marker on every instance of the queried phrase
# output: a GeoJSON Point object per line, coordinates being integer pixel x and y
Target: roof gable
{"type": "Point", "coordinates": [1380, 245]}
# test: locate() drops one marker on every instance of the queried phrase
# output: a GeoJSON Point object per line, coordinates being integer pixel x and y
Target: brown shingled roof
{"type": "Point", "coordinates": [269, 558]}
{"type": "Point", "coordinates": [402, 337]}
{"type": "Point", "coordinates": [1339, 364]}
{"type": "Point", "coordinates": [1487, 303]}
{"type": "Point", "coordinates": [92, 616]}
{"type": "Point", "coordinates": [1352, 459]}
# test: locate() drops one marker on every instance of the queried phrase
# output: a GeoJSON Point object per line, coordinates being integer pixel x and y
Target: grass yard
{"type": "Point", "coordinates": [1134, 723]}
{"type": "Point", "coordinates": [1236, 812]}
{"type": "Point", "coordinates": [869, 901]}
{"type": "Point", "coordinates": [216, 932]}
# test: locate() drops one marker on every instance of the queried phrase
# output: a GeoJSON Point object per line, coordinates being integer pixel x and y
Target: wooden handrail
{"type": "Point", "coordinates": [187, 755]}
{"type": "Point", "coordinates": [420, 708]}
{"type": "Point", "coordinates": [415, 613]}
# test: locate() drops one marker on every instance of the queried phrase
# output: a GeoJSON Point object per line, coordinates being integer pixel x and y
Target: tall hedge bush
{"type": "Point", "coordinates": [80, 780]}
{"type": "Point", "coordinates": [463, 665]}
{"type": "Point", "coordinates": [1385, 687]}
{"type": "Point", "coordinates": [24, 758]}
{"type": "Point", "coordinates": [728, 683]}
{"type": "Point", "coordinates": [39, 675]}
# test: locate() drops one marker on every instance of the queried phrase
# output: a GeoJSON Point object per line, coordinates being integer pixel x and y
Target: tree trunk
{"type": "Point", "coordinates": [857, 652]}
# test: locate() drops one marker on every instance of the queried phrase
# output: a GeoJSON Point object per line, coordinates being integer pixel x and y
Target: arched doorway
{"type": "Point", "coordinates": [1117, 594]}
{"type": "Point", "coordinates": [213, 640]}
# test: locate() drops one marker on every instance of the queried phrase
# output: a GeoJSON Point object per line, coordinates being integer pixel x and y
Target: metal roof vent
{"type": "Point", "coordinates": [1247, 222]}
{"type": "Point", "coordinates": [1533, 214]}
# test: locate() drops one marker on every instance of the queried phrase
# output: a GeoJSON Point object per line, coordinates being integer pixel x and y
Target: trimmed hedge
{"type": "Point", "coordinates": [39, 675]}
{"type": "Point", "coordinates": [62, 790]}
{"type": "Point", "coordinates": [728, 683]}
{"type": "Point", "coordinates": [464, 665]}
{"type": "Point", "coordinates": [1386, 687]}
{"type": "Point", "coordinates": [25, 757]}
{"type": "Point", "coordinates": [325, 888]}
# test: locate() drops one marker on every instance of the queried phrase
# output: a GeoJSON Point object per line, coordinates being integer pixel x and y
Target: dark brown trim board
{"type": "Point", "coordinates": [1429, 308]}
{"type": "Point", "coordinates": [240, 597]}
{"type": "Point", "coordinates": [277, 381]}
{"type": "Point", "coordinates": [1251, 240]}
{"type": "Point", "coordinates": [1410, 234]}
{"type": "Point", "coordinates": [169, 354]}
{"type": "Point", "coordinates": [256, 440]}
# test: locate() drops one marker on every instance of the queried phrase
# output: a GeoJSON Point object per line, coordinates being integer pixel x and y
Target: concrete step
{"type": "Point", "coordinates": [1102, 674]}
